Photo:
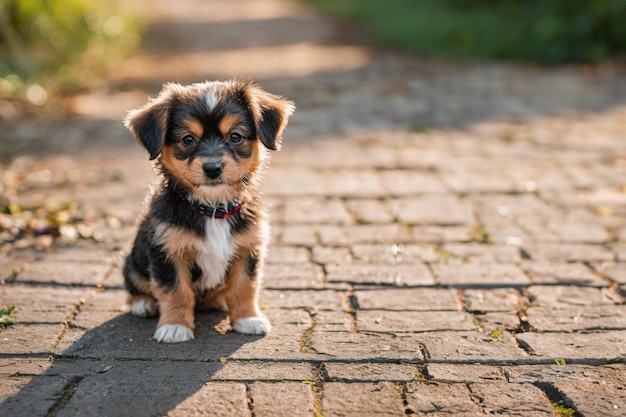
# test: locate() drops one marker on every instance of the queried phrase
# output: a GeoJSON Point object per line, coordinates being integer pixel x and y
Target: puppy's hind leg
{"type": "Point", "coordinates": [142, 303]}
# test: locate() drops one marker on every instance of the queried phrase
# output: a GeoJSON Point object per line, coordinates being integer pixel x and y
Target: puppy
{"type": "Point", "coordinates": [203, 240]}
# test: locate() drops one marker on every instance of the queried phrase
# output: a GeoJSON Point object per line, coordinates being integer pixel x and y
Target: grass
{"type": "Point", "coordinates": [5, 316]}
{"type": "Point", "coordinates": [562, 410]}
{"type": "Point", "coordinates": [549, 31]}
{"type": "Point", "coordinates": [59, 46]}
{"type": "Point", "coordinates": [496, 334]}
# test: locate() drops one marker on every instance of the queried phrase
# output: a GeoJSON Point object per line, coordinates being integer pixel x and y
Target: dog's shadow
{"type": "Point", "coordinates": [117, 369]}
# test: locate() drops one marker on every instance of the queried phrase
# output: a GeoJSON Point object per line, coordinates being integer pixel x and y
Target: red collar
{"type": "Point", "coordinates": [218, 212]}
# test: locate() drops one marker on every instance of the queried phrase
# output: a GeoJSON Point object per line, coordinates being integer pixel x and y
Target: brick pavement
{"type": "Point", "coordinates": [468, 271]}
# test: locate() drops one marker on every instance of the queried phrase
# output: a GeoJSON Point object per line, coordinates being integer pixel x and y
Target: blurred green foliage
{"type": "Point", "coordinates": [547, 31]}
{"type": "Point", "coordinates": [59, 45]}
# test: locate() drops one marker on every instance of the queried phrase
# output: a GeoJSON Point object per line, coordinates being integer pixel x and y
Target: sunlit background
{"type": "Point", "coordinates": [71, 69]}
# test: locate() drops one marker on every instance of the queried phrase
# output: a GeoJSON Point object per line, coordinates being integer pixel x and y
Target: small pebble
{"type": "Point", "coordinates": [105, 368]}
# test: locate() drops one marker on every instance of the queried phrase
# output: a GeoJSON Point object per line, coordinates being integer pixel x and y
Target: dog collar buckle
{"type": "Point", "coordinates": [219, 212]}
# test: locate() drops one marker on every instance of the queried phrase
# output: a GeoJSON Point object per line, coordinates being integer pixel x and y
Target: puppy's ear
{"type": "Point", "coordinates": [271, 113]}
{"type": "Point", "coordinates": [149, 123]}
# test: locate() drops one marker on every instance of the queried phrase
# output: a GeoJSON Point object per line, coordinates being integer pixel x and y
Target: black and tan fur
{"type": "Point", "coordinates": [210, 142]}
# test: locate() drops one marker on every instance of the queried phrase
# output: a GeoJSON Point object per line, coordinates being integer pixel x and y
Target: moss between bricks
{"type": "Point", "coordinates": [562, 410]}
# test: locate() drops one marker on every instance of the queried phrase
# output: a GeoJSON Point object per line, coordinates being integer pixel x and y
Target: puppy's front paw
{"type": "Point", "coordinates": [173, 333]}
{"type": "Point", "coordinates": [252, 325]}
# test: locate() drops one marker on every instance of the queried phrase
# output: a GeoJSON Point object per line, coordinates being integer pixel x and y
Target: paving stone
{"type": "Point", "coordinates": [543, 179]}
{"type": "Point", "coordinates": [475, 252]}
{"type": "Point", "coordinates": [491, 300]}
{"type": "Point", "coordinates": [578, 232]}
{"type": "Point", "coordinates": [289, 276]}
{"type": "Point", "coordinates": [437, 399]}
{"type": "Point", "coordinates": [286, 341]}
{"type": "Point", "coordinates": [620, 248]}
{"type": "Point", "coordinates": [423, 157]}
{"type": "Point", "coordinates": [568, 296]}
{"type": "Point", "coordinates": [114, 280]}
{"type": "Point", "coordinates": [465, 373]}
{"type": "Point", "coordinates": [462, 180]}
{"type": "Point", "coordinates": [512, 399]}
{"type": "Point", "coordinates": [413, 321]}
{"type": "Point", "coordinates": [63, 273]}
{"type": "Point", "coordinates": [370, 211]}
{"type": "Point", "coordinates": [310, 210]}
{"type": "Point", "coordinates": [328, 255]}
{"type": "Point", "coordinates": [366, 347]}
{"type": "Point", "coordinates": [263, 371]}
{"type": "Point", "coordinates": [287, 254]}
{"type": "Point", "coordinates": [562, 273]}
{"type": "Point", "coordinates": [54, 305]}
{"type": "Point", "coordinates": [220, 399]}
{"type": "Point", "coordinates": [603, 375]}
{"type": "Point", "coordinates": [31, 396]}
{"type": "Point", "coordinates": [32, 339]}
{"type": "Point", "coordinates": [11, 385]}
{"type": "Point", "coordinates": [471, 347]}
{"type": "Point", "coordinates": [465, 275]}
{"type": "Point", "coordinates": [364, 233]}
{"type": "Point", "coordinates": [568, 252]}
{"type": "Point", "coordinates": [615, 271]}
{"type": "Point", "coordinates": [499, 231]}
{"type": "Point", "coordinates": [303, 181]}
{"type": "Point", "coordinates": [9, 268]}
{"type": "Point", "coordinates": [298, 235]}
{"type": "Point", "coordinates": [593, 398]}
{"type": "Point", "coordinates": [441, 210]}
{"type": "Point", "coordinates": [361, 399]}
{"type": "Point", "coordinates": [24, 366]}
{"type": "Point", "coordinates": [371, 372]}
{"type": "Point", "coordinates": [353, 183]}
{"type": "Point", "coordinates": [129, 337]}
{"type": "Point", "coordinates": [514, 206]}
{"type": "Point", "coordinates": [594, 347]}
{"type": "Point", "coordinates": [311, 300]}
{"type": "Point", "coordinates": [333, 321]}
{"type": "Point", "coordinates": [440, 234]}
{"type": "Point", "coordinates": [408, 183]}
{"type": "Point", "coordinates": [396, 253]}
{"type": "Point", "coordinates": [406, 299]}
{"type": "Point", "coordinates": [603, 317]}
{"type": "Point", "coordinates": [127, 381]}
{"type": "Point", "coordinates": [102, 307]}
{"type": "Point", "coordinates": [281, 399]}
{"type": "Point", "coordinates": [492, 323]}
{"type": "Point", "coordinates": [332, 154]}
{"type": "Point", "coordinates": [558, 231]}
{"type": "Point", "coordinates": [82, 254]}
{"type": "Point", "coordinates": [106, 300]}
{"type": "Point", "coordinates": [365, 273]}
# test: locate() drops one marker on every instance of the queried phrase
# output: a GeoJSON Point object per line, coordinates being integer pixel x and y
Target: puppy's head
{"type": "Point", "coordinates": [209, 138]}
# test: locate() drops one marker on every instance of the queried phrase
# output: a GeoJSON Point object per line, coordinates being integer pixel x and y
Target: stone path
{"type": "Point", "coordinates": [447, 239]}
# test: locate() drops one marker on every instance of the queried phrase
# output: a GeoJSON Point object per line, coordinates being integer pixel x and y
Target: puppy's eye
{"type": "Point", "coordinates": [189, 140]}
{"type": "Point", "coordinates": [235, 138]}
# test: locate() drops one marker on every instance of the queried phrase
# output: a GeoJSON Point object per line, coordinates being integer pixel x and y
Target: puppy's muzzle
{"type": "Point", "coordinates": [213, 169]}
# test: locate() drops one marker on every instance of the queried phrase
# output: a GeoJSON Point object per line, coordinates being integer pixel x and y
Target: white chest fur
{"type": "Point", "coordinates": [214, 253]}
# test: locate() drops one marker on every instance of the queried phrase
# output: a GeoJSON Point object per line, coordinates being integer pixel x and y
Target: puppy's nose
{"type": "Point", "coordinates": [213, 169]}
